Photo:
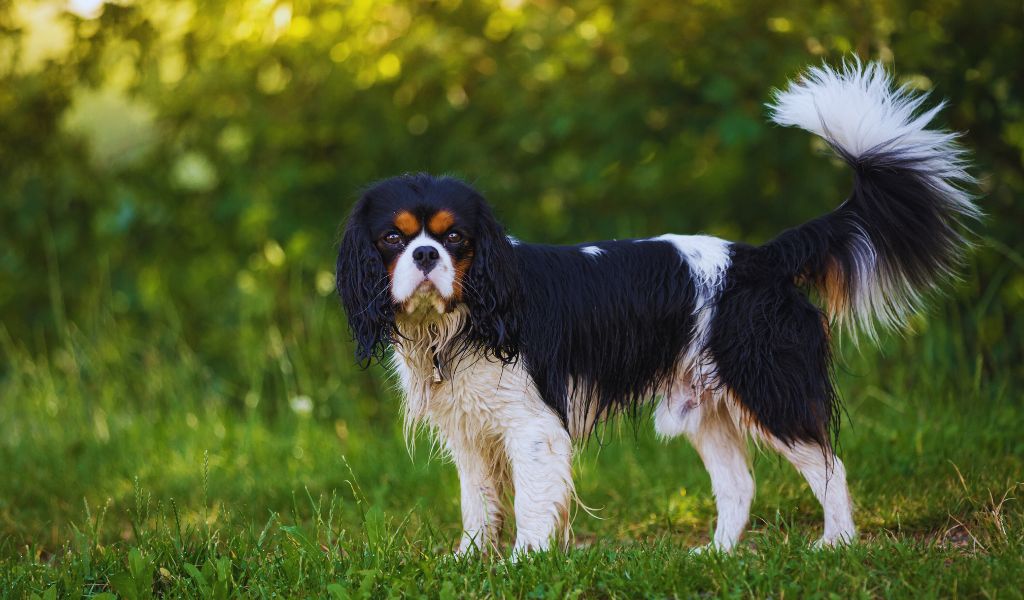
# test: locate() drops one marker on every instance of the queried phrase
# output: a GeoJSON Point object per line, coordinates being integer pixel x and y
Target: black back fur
{"type": "Point", "coordinates": [604, 330]}
{"type": "Point", "coordinates": [771, 349]}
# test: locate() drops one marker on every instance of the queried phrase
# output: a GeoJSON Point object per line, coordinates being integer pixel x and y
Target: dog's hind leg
{"type": "Point", "coordinates": [826, 476]}
{"type": "Point", "coordinates": [723, 448]}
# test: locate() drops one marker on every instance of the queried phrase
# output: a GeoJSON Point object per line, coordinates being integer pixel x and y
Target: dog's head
{"type": "Point", "coordinates": [418, 244]}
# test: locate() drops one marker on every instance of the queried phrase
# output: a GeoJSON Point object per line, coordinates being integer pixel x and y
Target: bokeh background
{"type": "Point", "coordinates": [173, 175]}
{"type": "Point", "coordinates": [190, 161]}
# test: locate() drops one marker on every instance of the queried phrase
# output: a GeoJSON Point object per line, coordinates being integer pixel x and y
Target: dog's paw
{"type": "Point", "coordinates": [714, 547]}
{"type": "Point", "coordinates": [519, 553]}
{"type": "Point", "coordinates": [836, 541]}
{"type": "Point", "coordinates": [709, 548]}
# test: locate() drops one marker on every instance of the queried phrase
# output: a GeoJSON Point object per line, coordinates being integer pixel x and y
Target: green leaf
{"type": "Point", "coordinates": [124, 584]}
{"type": "Point", "coordinates": [198, 577]}
{"type": "Point", "coordinates": [375, 526]}
{"type": "Point", "coordinates": [448, 591]}
{"type": "Point", "coordinates": [338, 592]}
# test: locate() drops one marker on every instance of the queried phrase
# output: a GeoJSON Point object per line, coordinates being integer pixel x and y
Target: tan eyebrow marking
{"type": "Point", "coordinates": [440, 222]}
{"type": "Point", "coordinates": [407, 223]}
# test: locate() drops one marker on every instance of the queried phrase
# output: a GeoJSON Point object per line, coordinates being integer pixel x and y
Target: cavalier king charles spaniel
{"type": "Point", "coordinates": [509, 351]}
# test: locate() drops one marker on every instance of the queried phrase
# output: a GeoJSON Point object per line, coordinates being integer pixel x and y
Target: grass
{"type": "Point", "coordinates": [134, 467]}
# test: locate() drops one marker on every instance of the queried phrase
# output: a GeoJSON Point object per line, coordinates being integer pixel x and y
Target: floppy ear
{"type": "Point", "coordinates": [494, 290]}
{"type": "Point", "coordinates": [362, 284]}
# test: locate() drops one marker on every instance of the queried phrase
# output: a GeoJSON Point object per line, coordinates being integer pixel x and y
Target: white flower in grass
{"type": "Point", "coordinates": [302, 405]}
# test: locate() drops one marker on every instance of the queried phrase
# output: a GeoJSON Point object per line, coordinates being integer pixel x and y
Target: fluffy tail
{"type": "Point", "coordinates": [898, 234]}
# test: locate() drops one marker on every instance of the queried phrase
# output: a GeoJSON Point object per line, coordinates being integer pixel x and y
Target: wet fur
{"type": "Point", "coordinates": [544, 341]}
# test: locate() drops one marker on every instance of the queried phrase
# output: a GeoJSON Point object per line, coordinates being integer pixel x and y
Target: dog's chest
{"type": "Point", "coordinates": [476, 393]}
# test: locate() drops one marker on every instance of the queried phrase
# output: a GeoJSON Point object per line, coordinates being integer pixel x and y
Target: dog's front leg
{"type": "Point", "coordinates": [481, 493]}
{"type": "Point", "coordinates": [540, 453]}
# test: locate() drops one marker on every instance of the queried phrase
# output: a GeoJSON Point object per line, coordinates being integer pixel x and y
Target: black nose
{"type": "Point", "coordinates": [425, 258]}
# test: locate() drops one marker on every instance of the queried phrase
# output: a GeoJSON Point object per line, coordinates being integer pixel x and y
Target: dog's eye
{"type": "Point", "coordinates": [454, 237]}
{"type": "Point", "coordinates": [393, 238]}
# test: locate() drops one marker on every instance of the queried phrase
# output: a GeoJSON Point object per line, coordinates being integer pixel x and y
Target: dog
{"type": "Point", "coordinates": [510, 352]}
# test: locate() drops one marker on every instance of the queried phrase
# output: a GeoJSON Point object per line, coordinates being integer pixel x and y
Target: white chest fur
{"type": "Point", "coordinates": [495, 428]}
{"type": "Point", "coordinates": [470, 394]}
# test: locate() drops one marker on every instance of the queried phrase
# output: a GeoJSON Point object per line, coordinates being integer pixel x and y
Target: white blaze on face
{"type": "Point", "coordinates": [408, 278]}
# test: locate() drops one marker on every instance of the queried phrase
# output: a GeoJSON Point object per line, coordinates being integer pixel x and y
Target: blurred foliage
{"type": "Point", "coordinates": [183, 166]}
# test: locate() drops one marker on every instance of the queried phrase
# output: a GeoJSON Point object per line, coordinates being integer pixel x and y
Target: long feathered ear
{"type": "Point", "coordinates": [362, 284]}
{"type": "Point", "coordinates": [494, 291]}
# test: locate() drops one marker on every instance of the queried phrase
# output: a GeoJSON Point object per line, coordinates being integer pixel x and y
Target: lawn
{"type": "Point", "coordinates": [179, 408]}
{"type": "Point", "coordinates": [134, 467]}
